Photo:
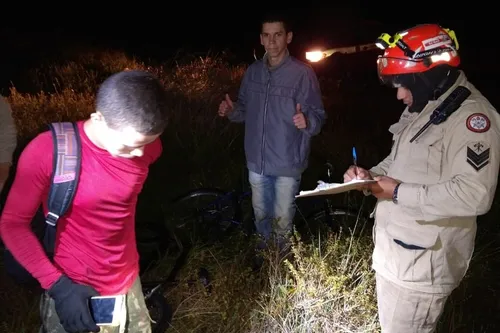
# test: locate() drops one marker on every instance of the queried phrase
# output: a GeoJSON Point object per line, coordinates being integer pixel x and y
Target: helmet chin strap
{"type": "Point", "coordinates": [422, 94]}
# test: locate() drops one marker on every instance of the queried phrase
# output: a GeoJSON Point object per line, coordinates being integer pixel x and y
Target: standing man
{"type": "Point", "coordinates": [96, 251]}
{"type": "Point", "coordinates": [8, 140]}
{"type": "Point", "coordinates": [434, 183]}
{"type": "Point", "coordinates": [280, 103]}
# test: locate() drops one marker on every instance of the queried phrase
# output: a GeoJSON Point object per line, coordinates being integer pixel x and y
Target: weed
{"type": "Point", "coordinates": [323, 285]}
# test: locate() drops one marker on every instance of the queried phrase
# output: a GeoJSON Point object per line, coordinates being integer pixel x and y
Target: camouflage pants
{"type": "Point", "coordinates": [138, 320]}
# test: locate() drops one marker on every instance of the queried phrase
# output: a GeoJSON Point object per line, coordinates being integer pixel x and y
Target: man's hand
{"type": "Point", "coordinates": [72, 305]}
{"type": "Point", "coordinates": [226, 107]}
{"type": "Point", "coordinates": [299, 119]}
{"type": "Point", "coordinates": [384, 187]}
{"type": "Point", "coordinates": [355, 172]}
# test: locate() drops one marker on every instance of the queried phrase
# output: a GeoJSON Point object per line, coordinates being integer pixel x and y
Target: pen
{"type": "Point", "coordinates": [355, 161]}
{"type": "Point", "coordinates": [366, 191]}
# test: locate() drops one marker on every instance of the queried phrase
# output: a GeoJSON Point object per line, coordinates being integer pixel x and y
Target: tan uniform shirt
{"type": "Point", "coordinates": [449, 174]}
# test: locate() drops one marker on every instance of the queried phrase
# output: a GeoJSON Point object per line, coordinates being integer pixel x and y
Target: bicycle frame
{"type": "Point", "coordinates": [235, 197]}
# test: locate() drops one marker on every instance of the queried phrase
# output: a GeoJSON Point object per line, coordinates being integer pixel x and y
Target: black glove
{"type": "Point", "coordinates": [72, 305]}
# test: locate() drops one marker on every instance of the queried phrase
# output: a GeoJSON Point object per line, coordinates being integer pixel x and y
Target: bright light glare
{"type": "Point", "coordinates": [315, 56]}
{"type": "Point", "coordinates": [441, 57]}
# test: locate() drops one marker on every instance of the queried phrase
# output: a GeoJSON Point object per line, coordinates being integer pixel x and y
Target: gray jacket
{"type": "Point", "coordinates": [266, 103]}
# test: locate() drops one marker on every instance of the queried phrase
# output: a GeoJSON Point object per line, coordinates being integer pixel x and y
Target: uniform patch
{"type": "Point", "coordinates": [478, 155]}
{"type": "Point", "coordinates": [478, 123]}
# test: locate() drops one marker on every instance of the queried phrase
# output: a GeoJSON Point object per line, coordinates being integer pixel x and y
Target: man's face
{"type": "Point", "coordinates": [126, 142]}
{"type": "Point", "coordinates": [275, 39]}
{"type": "Point", "coordinates": [405, 95]}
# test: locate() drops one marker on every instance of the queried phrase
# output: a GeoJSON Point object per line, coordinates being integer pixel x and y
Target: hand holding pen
{"type": "Point", "coordinates": [356, 172]}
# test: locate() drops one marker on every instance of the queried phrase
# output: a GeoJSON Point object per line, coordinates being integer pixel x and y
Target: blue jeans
{"type": "Point", "coordinates": [273, 200]}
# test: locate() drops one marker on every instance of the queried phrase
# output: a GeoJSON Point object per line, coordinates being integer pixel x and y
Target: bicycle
{"type": "Point", "coordinates": [347, 216]}
{"type": "Point", "coordinates": [223, 212]}
{"type": "Point", "coordinates": [159, 309]}
{"type": "Point", "coordinates": [213, 213]}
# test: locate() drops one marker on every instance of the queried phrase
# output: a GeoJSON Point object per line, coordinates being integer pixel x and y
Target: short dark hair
{"type": "Point", "coordinates": [277, 17]}
{"type": "Point", "coordinates": [133, 98]}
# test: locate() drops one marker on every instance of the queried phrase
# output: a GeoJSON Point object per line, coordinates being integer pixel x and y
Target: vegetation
{"type": "Point", "coordinates": [325, 283]}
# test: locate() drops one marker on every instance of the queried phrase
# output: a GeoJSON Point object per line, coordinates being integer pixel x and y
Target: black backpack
{"type": "Point", "coordinates": [65, 176]}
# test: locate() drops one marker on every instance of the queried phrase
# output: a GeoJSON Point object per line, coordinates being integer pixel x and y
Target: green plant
{"type": "Point", "coordinates": [325, 285]}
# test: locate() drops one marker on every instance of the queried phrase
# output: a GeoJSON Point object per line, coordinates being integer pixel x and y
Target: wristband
{"type": "Point", "coordinates": [395, 194]}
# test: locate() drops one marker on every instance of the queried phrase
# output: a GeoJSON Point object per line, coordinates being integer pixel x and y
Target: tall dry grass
{"type": "Point", "coordinates": [324, 285]}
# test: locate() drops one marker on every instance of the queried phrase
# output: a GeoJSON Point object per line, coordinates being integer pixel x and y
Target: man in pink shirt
{"type": "Point", "coordinates": [96, 251]}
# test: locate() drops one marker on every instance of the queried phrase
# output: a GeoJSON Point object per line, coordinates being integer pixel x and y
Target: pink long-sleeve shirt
{"type": "Point", "coordinates": [96, 242]}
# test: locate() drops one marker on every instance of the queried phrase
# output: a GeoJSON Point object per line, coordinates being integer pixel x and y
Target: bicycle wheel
{"type": "Point", "coordinates": [339, 219]}
{"type": "Point", "coordinates": [160, 312]}
{"type": "Point", "coordinates": [206, 214]}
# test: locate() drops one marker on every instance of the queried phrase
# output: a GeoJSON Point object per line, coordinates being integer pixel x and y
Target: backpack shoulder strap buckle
{"type": "Point", "coordinates": [51, 218]}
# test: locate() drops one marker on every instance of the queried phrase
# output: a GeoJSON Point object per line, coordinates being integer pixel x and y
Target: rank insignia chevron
{"type": "Point", "coordinates": [478, 155]}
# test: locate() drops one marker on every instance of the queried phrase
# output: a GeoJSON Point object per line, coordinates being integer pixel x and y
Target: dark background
{"type": "Point", "coordinates": [156, 31]}
{"type": "Point", "coordinates": [34, 33]}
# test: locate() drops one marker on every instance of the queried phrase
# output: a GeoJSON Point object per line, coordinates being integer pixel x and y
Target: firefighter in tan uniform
{"type": "Point", "coordinates": [436, 180]}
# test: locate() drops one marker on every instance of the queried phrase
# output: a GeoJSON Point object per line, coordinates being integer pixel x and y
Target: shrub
{"type": "Point", "coordinates": [323, 286]}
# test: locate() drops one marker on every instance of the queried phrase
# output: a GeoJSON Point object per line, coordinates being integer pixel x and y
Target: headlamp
{"type": "Point", "coordinates": [385, 41]}
{"type": "Point", "coordinates": [453, 37]}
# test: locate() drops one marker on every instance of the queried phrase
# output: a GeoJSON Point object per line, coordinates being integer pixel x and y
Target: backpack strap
{"type": "Point", "coordinates": [66, 169]}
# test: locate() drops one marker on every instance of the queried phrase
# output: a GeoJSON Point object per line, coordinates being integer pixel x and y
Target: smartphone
{"type": "Point", "coordinates": [107, 310]}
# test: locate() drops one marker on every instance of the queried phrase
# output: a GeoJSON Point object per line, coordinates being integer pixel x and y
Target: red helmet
{"type": "Point", "coordinates": [417, 50]}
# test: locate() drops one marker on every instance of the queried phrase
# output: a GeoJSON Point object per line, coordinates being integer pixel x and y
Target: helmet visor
{"type": "Point", "coordinates": [395, 66]}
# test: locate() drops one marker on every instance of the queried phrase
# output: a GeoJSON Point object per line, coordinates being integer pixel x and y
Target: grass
{"type": "Point", "coordinates": [327, 287]}
{"type": "Point", "coordinates": [325, 283]}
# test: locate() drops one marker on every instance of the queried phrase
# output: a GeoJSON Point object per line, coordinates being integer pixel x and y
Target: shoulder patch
{"type": "Point", "coordinates": [478, 154]}
{"type": "Point", "coordinates": [478, 123]}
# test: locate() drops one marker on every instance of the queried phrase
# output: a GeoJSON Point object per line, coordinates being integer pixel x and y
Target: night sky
{"type": "Point", "coordinates": [154, 32]}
